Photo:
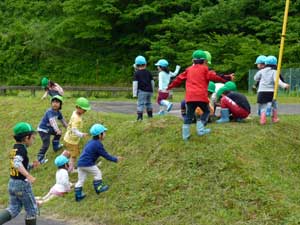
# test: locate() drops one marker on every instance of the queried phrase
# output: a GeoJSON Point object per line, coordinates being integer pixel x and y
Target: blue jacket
{"type": "Point", "coordinates": [91, 152]}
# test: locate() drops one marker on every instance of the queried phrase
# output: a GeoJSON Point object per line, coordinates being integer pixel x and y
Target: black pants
{"type": "Point", "coordinates": [191, 107]}
{"type": "Point", "coordinates": [46, 143]}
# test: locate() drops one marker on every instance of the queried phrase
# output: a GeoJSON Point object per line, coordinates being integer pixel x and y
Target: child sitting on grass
{"type": "Point", "coordinates": [62, 185]}
{"type": "Point", "coordinates": [87, 162]}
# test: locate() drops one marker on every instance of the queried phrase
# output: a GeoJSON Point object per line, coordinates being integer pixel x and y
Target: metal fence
{"type": "Point", "coordinates": [290, 76]}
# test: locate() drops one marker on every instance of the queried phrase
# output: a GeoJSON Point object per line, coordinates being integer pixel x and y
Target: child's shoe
{"type": "Point", "coordinates": [263, 118]}
{"type": "Point", "coordinates": [79, 195]}
{"type": "Point", "coordinates": [169, 107]}
{"type": "Point", "coordinates": [99, 186]}
{"type": "Point", "coordinates": [275, 116]}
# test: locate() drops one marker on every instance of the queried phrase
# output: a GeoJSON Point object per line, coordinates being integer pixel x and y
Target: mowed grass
{"type": "Point", "coordinates": [241, 173]}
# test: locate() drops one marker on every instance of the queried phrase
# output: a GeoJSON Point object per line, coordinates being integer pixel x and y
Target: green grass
{"type": "Point", "coordinates": [242, 173]}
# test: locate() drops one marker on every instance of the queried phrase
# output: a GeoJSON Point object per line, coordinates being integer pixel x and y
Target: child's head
{"type": "Point", "coordinates": [260, 62]}
{"type": "Point", "coordinates": [62, 162]}
{"type": "Point", "coordinates": [56, 102]}
{"type": "Point", "coordinates": [199, 57]}
{"type": "Point", "coordinates": [66, 153]}
{"type": "Point", "coordinates": [162, 65]}
{"type": "Point", "coordinates": [208, 57]}
{"type": "Point", "coordinates": [24, 133]}
{"type": "Point", "coordinates": [229, 86]}
{"type": "Point", "coordinates": [98, 131]}
{"type": "Point", "coordinates": [140, 62]}
{"type": "Point", "coordinates": [82, 105]}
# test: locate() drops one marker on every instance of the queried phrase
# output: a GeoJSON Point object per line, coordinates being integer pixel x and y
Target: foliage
{"type": "Point", "coordinates": [73, 41]}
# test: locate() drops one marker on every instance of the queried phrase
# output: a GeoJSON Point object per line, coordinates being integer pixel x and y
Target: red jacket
{"type": "Point", "coordinates": [197, 78]}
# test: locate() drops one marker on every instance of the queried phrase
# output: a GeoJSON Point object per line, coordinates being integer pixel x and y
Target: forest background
{"type": "Point", "coordinates": [94, 42]}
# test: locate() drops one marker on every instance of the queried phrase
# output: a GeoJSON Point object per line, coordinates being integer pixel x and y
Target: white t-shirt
{"type": "Point", "coordinates": [62, 182]}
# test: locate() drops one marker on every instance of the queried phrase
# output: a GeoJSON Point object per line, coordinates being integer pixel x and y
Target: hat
{"type": "Point", "coordinates": [260, 59]}
{"type": "Point", "coordinates": [208, 56]}
{"type": "Point", "coordinates": [211, 87]}
{"type": "Point", "coordinates": [199, 54]}
{"type": "Point", "coordinates": [83, 103]}
{"type": "Point", "coordinates": [271, 60]}
{"type": "Point", "coordinates": [162, 63]}
{"type": "Point", "coordinates": [61, 160]}
{"type": "Point", "coordinates": [97, 129]}
{"type": "Point", "coordinates": [45, 82]}
{"type": "Point", "coordinates": [140, 60]}
{"type": "Point", "coordinates": [58, 97]}
{"type": "Point", "coordinates": [23, 128]}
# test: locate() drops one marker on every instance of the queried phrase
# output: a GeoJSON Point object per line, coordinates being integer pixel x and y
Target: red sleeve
{"type": "Point", "coordinates": [214, 77]}
{"type": "Point", "coordinates": [178, 80]}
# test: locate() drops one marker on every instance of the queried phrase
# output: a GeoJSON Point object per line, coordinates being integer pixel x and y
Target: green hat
{"type": "Point", "coordinates": [23, 128]}
{"type": "Point", "coordinates": [199, 54]}
{"type": "Point", "coordinates": [231, 86]}
{"type": "Point", "coordinates": [83, 103]}
{"type": "Point", "coordinates": [58, 97]}
{"type": "Point", "coordinates": [211, 87]}
{"type": "Point", "coordinates": [208, 56]}
{"type": "Point", "coordinates": [221, 91]}
{"type": "Point", "coordinates": [45, 82]}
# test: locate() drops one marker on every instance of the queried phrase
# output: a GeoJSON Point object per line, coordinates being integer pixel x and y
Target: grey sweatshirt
{"type": "Point", "coordinates": [266, 78]}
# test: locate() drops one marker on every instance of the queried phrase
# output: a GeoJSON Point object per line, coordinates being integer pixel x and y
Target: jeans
{"type": "Point", "coordinates": [144, 99]}
{"type": "Point", "coordinates": [46, 142]}
{"type": "Point", "coordinates": [191, 107]}
{"type": "Point", "coordinates": [21, 194]}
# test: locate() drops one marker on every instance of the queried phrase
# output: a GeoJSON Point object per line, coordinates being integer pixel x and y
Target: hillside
{"type": "Point", "coordinates": [241, 173]}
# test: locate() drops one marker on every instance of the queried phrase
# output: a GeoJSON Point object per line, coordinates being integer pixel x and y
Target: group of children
{"type": "Point", "coordinates": [202, 96]}
{"type": "Point", "coordinates": [20, 182]}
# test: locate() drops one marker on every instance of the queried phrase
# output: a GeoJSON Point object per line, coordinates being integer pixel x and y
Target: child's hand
{"type": "Point", "coordinates": [120, 158]}
{"type": "Point", "coordinates": [287, 87]}
{"type": "Point", "coordinates": [58, 132]}
{"type": "Point", "coordinates": [30, 178]}
{"type": "Point", "coordinates": [85, 135]}
{"type": "Point", "coordinates": [35, 163]}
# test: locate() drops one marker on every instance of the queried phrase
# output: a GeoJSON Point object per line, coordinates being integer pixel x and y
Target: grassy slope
{"type": "Point", "coordinates": [240, 174]}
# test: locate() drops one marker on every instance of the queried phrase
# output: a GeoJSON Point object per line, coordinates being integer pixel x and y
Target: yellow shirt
{"type": "Point", "coordinates": [75, 122]}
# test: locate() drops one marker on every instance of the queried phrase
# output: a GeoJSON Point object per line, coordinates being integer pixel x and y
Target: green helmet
{"type": "Point", "coordinates": [58, 97]}
{"type": "Point", "coordinates": [199, 54]}
{"type": "Point", "coordinates": [45, 82]}
{"type": "Point", "coordinates": [23, 128]}
{"type": "Point", "coordinates": [211, 87]}
{"type": "Point", "coordinates": [231, 86]}
{"type": "Point", "coordinates": [208, 56]}
{"type": "Point", "coordinates": [83, 103]}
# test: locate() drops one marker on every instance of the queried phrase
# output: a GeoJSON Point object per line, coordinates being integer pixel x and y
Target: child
{"type": "Point", "coordinates": [87, 162]}
{"type": "Point", "coordinates": [62, 185]}
{"type": "Point", "coordinates": [266, 78]}
{"type": "Point", "coordinates": [197, 78]}
{"type": "Point", "coordinates": [73, 134]}
{"type": "Point", "coordinates": [48, 126]}
{"type": "Point", "coordinates": [19, 186]}
{"type": "Point", "coordinates": [143, 86]}
{"type": "Point", "coordinates": [163, 82]}
{"type": "Point", "coordinates": [51, 88]}
{"type": "Point", "coordinates": [235, 104]}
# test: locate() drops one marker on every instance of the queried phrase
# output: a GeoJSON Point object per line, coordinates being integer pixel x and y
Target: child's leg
{"type": "Point", "coordinates": [46, 142]}
{"type": "Point", "coordinates": [30, 205]}
{"type": "Point", "coordinates": [148, 104]}
{"type": "Point", "coordinates": [140, 105]}
{"type": "Point", "coordinates": [82, 174]}
{"type": "Point", "coordinates": [55, 143]}
{"type": "Point", "coordinates": [98, 184]}
{"type": "Point", "coordinates": [183, 109]}
{"type": "Point", "coordinates": [263, 113]}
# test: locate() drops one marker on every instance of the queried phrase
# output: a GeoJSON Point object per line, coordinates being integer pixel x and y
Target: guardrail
{"type": "Point", "coordinates": [88, 89]}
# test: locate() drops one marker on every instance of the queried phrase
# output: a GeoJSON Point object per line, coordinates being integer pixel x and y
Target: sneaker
{"type": "Point", "coordinates": [169, 107]}
{"type": "Point", "coordinates": [161, 113]}
{"type": "Point", "coordinates": [43, 161]}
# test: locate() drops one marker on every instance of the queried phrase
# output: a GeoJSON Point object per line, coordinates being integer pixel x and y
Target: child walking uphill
{"type": "Point", "coordinates": [163, 82]}
{"type": "Point", "coordinates": [51, 88]}
{"type": "Point", "coordinates": [197, 78]}
{"type": "Point", "coordinates": [87, 162]}
{"type": "Point", "coordinates": [62, 185]}
{"type": "Point", "coordinates": [266, 78]}
{"type": "Point", "coordinates": [73, 134]}
{"type": "Point", "coordinates": [19, 186]}
{"type": "Point", "coordinates": [48, 126]}
{"type": "Point", "coordinates": [143, 86]}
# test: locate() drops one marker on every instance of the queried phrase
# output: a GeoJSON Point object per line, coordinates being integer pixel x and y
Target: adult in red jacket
{"type": "Point", "coordinates": [197, 78]}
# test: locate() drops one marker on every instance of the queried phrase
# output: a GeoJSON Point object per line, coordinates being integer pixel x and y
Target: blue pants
{"type": "Point", "coordinates": [20, 194]}
{"type": "Point", "coordinates": [191, 107]}
{"type": "Point", "coordinates": [46, 142]}
{"type": "Point", "coordinates": [144, 100]}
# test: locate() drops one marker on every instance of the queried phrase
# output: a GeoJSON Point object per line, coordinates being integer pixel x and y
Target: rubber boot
{"type": "Point", "coordinates": [275, 116]}
{"type": "Point", "coordinates": [56, 145]}
{"type": "Point", "coordinates": [139, 116]}
{"type": "Point", "coordinates": [149, 113]}
{"type": "Point", "coordinates": [4, 216]}
{"type": "Point", "coordinates": [30, 221]}
{"type": "Point", "coordinates": [268, 112]}
{"type": "Point", "coordinates": [186, 131]}
{"type": "Point", "coordinates": [263, 118]}
{"type": "Point", "coordinates": [99, 186]}
{"type": "Point", "coordinates": [79, 195]}
{"type": "Point", "coordinates": [224, 116]}
{"type": "Point", "coordinates": [201, 130]}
